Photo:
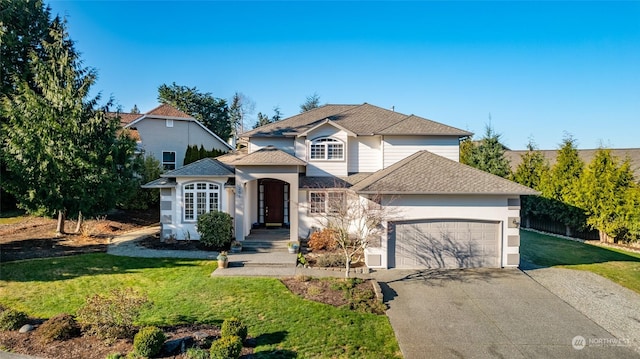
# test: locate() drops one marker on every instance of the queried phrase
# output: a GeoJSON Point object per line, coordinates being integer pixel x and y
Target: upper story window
{"type": "Point", "coordinates": [169, 160]}
{"type": "Point", "coordinates": [326, 149]}
{"type": "Point", "coordinates": [199, 198]}
{"type": "Point", "coordinates": [169, 122]}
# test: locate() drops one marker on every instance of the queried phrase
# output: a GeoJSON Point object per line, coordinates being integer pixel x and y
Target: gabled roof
{"type": "Point", "coordinates": [311, 182]}
{"type": "Point", "coordinates": [361, 120]}
{"type": "Point", "coordinates": [269, 156]}
{"type": "Point", "coordinates": [166, 110]}
{"type": "Point", "coordinates": [161, 183]}
{"type": "Point", "coordinates": [206, 167]}
{"type": "Point", "coordinates": [125, 118]}
{"type": "Point", "coordinates": [428, 173]}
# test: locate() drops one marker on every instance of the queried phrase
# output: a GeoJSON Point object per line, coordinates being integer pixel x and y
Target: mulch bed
{"type": "Point", "coordinates": [87, 347]}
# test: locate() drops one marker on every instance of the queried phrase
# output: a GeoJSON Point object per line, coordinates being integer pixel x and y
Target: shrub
{"type": "Point", "coordinates": [233, 326]}
{"type": "Point", "coordinates": [331, 260]}
{"type": "Point", "coordinates": [197, 353]}
{"type": "Point", "coordinates": [324, 239]}
{"type": "Point", "coordinates": [115, 356]}
{"type": "Point", "coordinates": [11, 319]}
{"type": "Point", "coordinates": [215, 229]}
{"type": "Point", "coordinates": [148, 341]}
{"type": "Point", "coordinates": [61, 327]}
{"type": "Point", "coordinates": [111, 316]}
{"type": "Point", "coordinates": [228, 347]}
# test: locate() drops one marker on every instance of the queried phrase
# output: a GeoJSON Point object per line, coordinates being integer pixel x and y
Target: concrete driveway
{"type": "Point", "coordinates": [488, 313]}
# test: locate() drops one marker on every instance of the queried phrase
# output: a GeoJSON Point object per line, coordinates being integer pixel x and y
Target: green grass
{"type": "Point", "coordinates": [617, 265]}
{"type": "Point", "coordinates": [183, 292]}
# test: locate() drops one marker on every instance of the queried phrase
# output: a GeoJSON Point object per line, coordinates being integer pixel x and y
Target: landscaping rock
{"type": "Point", "coordinates": [181, 345]}
{"type": "Point", "coordinates": [26, 328]}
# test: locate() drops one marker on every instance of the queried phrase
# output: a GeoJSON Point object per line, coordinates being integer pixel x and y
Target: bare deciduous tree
{"type": "Point", "coordinates": [355, 221]}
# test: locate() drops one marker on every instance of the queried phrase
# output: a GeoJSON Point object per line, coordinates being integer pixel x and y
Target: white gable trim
{"type": "Point", "coordinates": [327, 121]}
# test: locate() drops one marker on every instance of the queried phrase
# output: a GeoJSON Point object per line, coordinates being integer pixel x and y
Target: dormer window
{"type": "Point", "coordinates": [326, 149]}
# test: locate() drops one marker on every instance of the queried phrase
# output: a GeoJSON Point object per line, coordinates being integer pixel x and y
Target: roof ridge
{"type": "Point", "coordinates": [395, 123]}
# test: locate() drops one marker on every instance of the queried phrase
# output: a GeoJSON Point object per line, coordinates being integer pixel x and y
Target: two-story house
{"type": "Point", "coordinates": [446, 214]}
{"type": "Point", "coordinates": [165, 133]}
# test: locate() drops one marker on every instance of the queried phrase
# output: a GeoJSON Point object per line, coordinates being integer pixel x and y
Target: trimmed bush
{"type": "Point", "coordinates": [324, 239]}
{"type": "Point", "coordinates": [11, 319]}
{"type": "Point", "coordinates": [111, 316]}
{"type": "Point", "coordinates": [228, 347]}
{"type": "Point", "coordinates": [215, 229]}
{"type": "Point", "coordinates": [61, 327]}
{"type": "Point", "coordinates": [233, 326]}
{"type": "Point", "coordinates": [115, 356]}
{"type": "Point", "coordinates": [331, 260]}
{"type": "Point", "coordinates": [197, 353]}
{"type": "Point", "coordinates": [148, 341]}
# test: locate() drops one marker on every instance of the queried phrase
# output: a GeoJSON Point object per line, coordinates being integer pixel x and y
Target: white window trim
{"type": "Point", "coordinates": [325, 142]}
{"type": "Point", "coordinates": [175, 159]}
{"type": "Point", "coordinates": [326, 202]}
{"type": "Point", "coordinates": [207, 197]}
{"type": "Point", "coordinates": [169, 122]}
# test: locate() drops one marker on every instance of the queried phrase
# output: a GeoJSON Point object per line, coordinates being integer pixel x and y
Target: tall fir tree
{"type": "Point", "coordinates": [562, 187]}
{"type": "Point", "coordinates": [62, 151]}
{"type": "Point", "coordinates": [488, 155]}
{"type": "Point", "coordinates": [532, 168]}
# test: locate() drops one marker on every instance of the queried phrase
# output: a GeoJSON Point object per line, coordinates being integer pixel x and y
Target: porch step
{"type": "Point", "coordinates": [273, 259]}
{"type": "Point", "coordinates": [264, 246]}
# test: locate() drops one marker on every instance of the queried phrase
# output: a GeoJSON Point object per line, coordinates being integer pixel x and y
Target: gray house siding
{"type": "Point", "coordinates": [157, 138]}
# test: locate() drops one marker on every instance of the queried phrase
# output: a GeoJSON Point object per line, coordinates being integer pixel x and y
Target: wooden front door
{"type": "Point", "coordinates": [273, 203]}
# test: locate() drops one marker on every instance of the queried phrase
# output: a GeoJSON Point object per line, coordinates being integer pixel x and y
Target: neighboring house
{"type": "Point", "coordinates": [446, 214]}
{"type": "Point", "coordinates": [633, 154]}
{"type": "Point", "coordinates": [165, 133]}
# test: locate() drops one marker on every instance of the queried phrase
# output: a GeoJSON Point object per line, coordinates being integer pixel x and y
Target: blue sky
{"type": "Point", "coordinates": [536, 70]}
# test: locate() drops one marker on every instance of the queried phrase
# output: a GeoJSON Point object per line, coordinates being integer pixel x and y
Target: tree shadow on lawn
{"type": "Point", "coordinates": [540, 250]}
{"type": "Point", "coordinates": [44, 248]}
{"type": "Point", "coordinates": [272, 339]}
{"type": "Point", "coordinates": [63, 268]}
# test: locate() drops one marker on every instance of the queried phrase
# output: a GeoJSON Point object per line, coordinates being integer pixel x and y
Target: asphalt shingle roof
{"type": "Point", "coordinates": [168, 111]}
{"type": "Point", "coordinates": [362, 120]}
{"type": "Point", "coordinates": [269, 156]}
{"type": "Point", "coordinates": [206, 167]}
{"type": "Point", "coordinates": [161, 183]}
{"type": "Point", "coordinates": [428, 173]}
{"type": "Point", "coordinates": [332, 182]}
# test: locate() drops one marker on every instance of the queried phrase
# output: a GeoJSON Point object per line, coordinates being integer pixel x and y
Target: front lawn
{"type": "Point", "coordinates": [617, 265]}
{"type": "Point", "coordinates": [183, 292]}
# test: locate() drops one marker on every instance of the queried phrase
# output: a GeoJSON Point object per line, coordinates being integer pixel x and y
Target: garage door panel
{"type": "Point", "coordinates": [447, 244]}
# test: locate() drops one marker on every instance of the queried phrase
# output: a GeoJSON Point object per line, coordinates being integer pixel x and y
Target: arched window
{"type": "Point", "coordinates": [326, 149]}
{"type": "Point", "coordinates": [199, 198]}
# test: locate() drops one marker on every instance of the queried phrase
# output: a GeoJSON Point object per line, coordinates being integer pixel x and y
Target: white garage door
{"type": "Point", "coordinates": [446, 244]}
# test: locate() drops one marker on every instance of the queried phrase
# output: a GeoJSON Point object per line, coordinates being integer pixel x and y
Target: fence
{"type": "Point", "coordinates": [551, 226]}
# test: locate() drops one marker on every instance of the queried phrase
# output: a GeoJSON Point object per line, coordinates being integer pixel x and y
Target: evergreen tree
{"type": "Point", "coordinates": [562, 187]}
{"type": "Point", "coordinates": [467, 146]}
{"type": "Point", "coordinates": [61, 152]}
{"type": "Point", "coordinates": [604, 191]}
{"type": "Point", "coordinates": [24, 24]}
{"type": "Point", "coordinates": [489, 155]}
{"type": "Point", "coordinates": [212, 112]}
{"type": "Point", "coordinates": [310, 103]}
{"type": "Point", "coordinates": [533, 167]}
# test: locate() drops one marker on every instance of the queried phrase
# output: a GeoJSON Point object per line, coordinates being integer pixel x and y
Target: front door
{"type": "Point", "coordinates": [273, 203]}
